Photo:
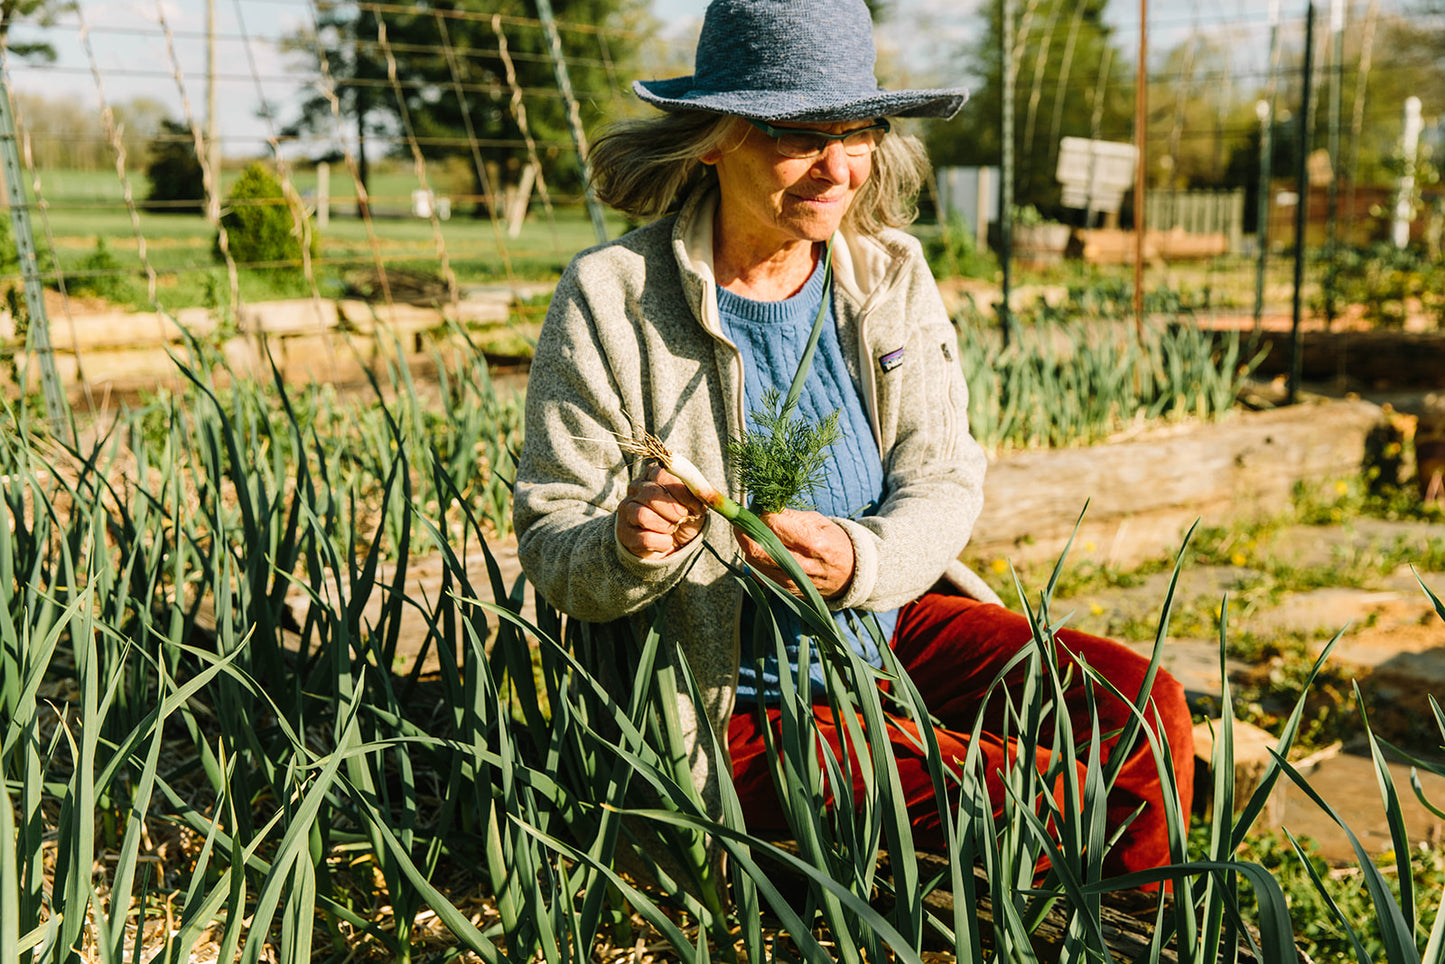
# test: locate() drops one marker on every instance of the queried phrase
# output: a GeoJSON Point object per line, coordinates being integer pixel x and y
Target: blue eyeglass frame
{"type": "Point", "coordinates": [777, 133]}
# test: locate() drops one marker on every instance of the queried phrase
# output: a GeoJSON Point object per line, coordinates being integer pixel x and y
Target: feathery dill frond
{"type": "Point", "coordinates": [782, 462]}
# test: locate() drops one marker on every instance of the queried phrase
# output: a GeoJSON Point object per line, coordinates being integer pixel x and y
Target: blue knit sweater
{"type": "Point", "coordinates": [771, 336]}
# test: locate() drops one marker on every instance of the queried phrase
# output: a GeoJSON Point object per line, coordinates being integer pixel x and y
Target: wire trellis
{"type": "Point", "coordinates": [466, 184]}
{"type": "Point", "coordinates": [417, 176]}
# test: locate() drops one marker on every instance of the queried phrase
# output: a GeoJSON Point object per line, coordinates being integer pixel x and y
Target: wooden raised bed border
{"type": "Point", "coordinates": [1144, 492]}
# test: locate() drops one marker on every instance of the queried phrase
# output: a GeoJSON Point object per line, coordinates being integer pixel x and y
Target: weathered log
{"type": "Point", "coordinates": [1142, 493]}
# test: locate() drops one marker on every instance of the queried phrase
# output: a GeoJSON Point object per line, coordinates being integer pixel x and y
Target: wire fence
{"type": "Point", "coordinates": [423, 156]}
{"type": "Point", "coordinates": [448, 142]}
{"type": "Point", "coordinates": [97, 167]}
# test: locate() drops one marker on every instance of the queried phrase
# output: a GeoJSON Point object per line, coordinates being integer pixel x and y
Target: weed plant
{"type": "Point", "coordinates": [188, 766]}
{"type": "Point", "coordinates": [1344, 500]}
{"type": "Point", "coordinates": [1387, 283]}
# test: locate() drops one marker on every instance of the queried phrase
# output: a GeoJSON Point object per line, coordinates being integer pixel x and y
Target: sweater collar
{"type": "Point", "coordinates": [862, 266]}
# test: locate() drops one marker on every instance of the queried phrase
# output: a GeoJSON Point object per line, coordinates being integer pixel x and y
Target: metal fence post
{"type": "Point", "coordinates": [1006, 174]}
{"type": "Point", "coordinates": [1302, 206]}
{"type": "Point", "coordinates": [38, 329]}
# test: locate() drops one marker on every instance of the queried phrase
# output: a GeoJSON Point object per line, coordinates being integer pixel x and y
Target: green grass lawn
{"type": "Point", "coordinates": [75, 208]}
{"type": "Point", "coordinates": [78, 209]}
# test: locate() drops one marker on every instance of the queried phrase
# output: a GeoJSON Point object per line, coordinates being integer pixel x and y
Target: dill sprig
{"type": "Point", "coordinates": [781, 462]}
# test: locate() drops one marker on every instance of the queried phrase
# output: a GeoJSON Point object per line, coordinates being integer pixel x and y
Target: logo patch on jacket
{"type": "Point", "coordinates": [891, 360]}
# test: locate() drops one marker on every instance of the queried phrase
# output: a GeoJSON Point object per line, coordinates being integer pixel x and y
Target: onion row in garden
{"type": "Point", "coordinates": [1075, 383]}
{"type": "Point", "coordinates": [323, 807]}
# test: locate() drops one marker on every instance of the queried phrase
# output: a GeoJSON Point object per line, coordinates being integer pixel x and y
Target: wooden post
{"type": "Point", "coordinates": [213, 137]}
{"type": "Point", "coordinates": [517, 209]}
{"type": "Point", "coordinates": [980, 221]}
{"type": "Point", "coordinates": [1409, 145]}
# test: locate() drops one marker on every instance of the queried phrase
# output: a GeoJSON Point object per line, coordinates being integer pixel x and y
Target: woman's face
{"type": "Point", "coordinates": [769, 201]}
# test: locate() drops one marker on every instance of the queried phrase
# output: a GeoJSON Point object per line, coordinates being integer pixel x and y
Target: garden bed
{"type": "Point", "coordinates": [103, 352]}
{"type": "Point", "coordinates": [1142, 492]}
{"type": "Point", "coordinates": [321, 726]}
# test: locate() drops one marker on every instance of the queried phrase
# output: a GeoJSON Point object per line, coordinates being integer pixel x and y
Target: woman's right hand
{"type": "Point", "coordinates": [658, 516]}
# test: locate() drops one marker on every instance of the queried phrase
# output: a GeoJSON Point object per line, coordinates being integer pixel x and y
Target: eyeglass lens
{"type": "Point", "coordinates": [809, 144]}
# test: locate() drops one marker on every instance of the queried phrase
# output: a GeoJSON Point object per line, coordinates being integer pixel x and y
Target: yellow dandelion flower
{"type": "Point", "coordinates": [1096, 609]}
{"type": "Point", "coordinates": [1090, 546]}
{"type": "Point", "coordinates": [1000, 566]}
{"type": "Point", "coordinates": [1238, 559]}
{"type": "Point", "coordinates": [1342, 488]}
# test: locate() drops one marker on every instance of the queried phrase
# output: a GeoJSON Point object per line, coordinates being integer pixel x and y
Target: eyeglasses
{"type": "Point", "coordinates": [803, 144]}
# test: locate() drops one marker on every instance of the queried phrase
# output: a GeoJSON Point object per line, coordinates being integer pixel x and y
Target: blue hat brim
{"type": "Point", "coordinates": [680, 93]}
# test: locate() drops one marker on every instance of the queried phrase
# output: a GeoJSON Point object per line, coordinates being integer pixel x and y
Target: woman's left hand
{"type": "Point", "coordinates": [819, 544]}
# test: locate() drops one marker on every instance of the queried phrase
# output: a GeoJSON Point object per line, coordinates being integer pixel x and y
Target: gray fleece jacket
{"type": "Point", "coordinates": [632, 335]}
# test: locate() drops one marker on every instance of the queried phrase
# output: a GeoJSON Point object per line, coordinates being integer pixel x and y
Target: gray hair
{"type": "Point", "coordinates": [645, 168]}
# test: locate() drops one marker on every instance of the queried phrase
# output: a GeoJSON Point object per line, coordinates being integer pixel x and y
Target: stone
{"type": "Point", "coordinates": [1252, 747]}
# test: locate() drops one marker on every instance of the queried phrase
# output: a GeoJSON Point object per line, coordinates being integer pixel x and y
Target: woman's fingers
{"type": "Point", "coordinates": [658, 515]}
{"type": "Point", "coordinates": [819, 544]}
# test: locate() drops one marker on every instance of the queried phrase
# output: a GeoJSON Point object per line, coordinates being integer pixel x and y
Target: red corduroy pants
{"type": "Point", "coordinates": [953, 648]}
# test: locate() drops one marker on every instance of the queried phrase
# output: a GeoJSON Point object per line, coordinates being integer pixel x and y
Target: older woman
{"type": "Point", "coordinates": [775, 157]}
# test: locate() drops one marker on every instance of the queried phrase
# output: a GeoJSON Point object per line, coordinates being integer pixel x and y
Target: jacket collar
{"type": "Point", "coordinates": [692, 249]}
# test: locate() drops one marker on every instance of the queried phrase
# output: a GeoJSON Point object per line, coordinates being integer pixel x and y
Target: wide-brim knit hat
{"type": "Point", "coordinates": [803, 60]}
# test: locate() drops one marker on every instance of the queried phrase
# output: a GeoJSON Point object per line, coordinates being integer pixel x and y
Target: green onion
{"type": "Point", "coordinates": [646, 444]}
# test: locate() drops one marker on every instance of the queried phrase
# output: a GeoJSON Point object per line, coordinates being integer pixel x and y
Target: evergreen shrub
{"type": "Point", "coordinates": [258, 223]}
{"type": "Point", "coordinates": [177, 183]}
